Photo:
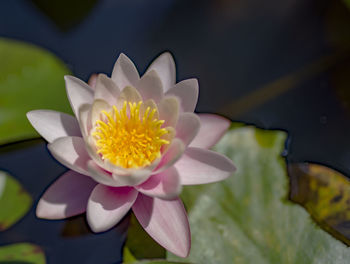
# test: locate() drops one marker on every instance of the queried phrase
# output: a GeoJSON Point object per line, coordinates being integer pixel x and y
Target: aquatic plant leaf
{"type": "Point", "coordinates": [30, 78]}
{"type": "Point", "coordinates": [325, 194]}
{"type": "Point", "coordinates": [15, 202]}
{"type": "Point", "coordinates": [22, 253]}
{"type": "Point", "coordinates": [248, 218]}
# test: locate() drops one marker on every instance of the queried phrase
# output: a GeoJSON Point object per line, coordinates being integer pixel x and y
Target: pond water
{"type": "Point", "coordinates": [274, 64]}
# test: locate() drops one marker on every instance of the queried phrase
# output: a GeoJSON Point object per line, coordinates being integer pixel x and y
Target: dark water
{"type": "Point", "coordinates": [274, 64]}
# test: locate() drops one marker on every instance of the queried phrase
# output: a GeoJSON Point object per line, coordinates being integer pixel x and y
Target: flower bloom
{"type": "Point", "coordinates": [132, 144]}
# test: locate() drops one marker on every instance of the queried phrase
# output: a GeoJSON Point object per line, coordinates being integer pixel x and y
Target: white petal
{"type": "Point", "coordinates": [187, 127]}
{"type": "Point", "coordinates": [108, 205]}
{"type": "Point", "coordinates": [101, 176]}
{"type": "Point", "coordinates": [66, 197]}
{"type": "Point", "coordinates": [129, 94]}
{"type": "Point", "coordinates": [121, 177]}
{"type": "Point", "coordinates": [173, 154]}
{"type": "Point", "coordinates": [78, 92]}
{"type": "Point", "coordinates": [166, 222]}
{"type": "Point", "coordinates": [98, 106]}
{"type": "Point", "coordinates": [84, 118]}
{"type": "Point", "coordinates": [199, 166]}
{"type": "Point", "coordinates": [187, 91]}
{"type": "Point", "coordinates": [124, 72]}
{"type": "Point", "coordinates": [165, 185]}
{"type": "Point", "coordinates": [169, 110]}
{"type": "Point", "coordinates": [71, 152]}
{"type": "Point", "coordinates": [150, 87]}
{"type": "Point", "coordinates": [164, 65]}
{"type": "Point", "coordinates": [213, 127]}
{"type": "Point", "coordinates": [106, 89]}
{"type": "Point", "coordinates": [52, 125]}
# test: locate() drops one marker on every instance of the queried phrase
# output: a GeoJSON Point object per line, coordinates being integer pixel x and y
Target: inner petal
{"type": "Point", "coordinates": [128, 137]}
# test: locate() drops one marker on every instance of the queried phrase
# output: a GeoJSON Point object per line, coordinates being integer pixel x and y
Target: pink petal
{"type": "Point", "coordinates": [71, 152]}
{"type": "Point", "coordinates": [124, 72]}
{"type": "Point", "coordinates": [108, 205]}
{"type": "Point", "coordinates": [165, 185]}
{"type": "Point", "coordinates": [173, 154]}
{"type": "Point", "coordinates": [199, 166]}
{"type": "Point", "coordinates": [106, 89]}
{"type": "Point", "coordinates": [150, 87]}
{"type": "Point", "coordinates": [66, 197]}
{"type": "Point", "coordinates": [164, 65]}
{"type": "Point", "coordinates": [168, 109]}
{"type": "Point", "coordinates": [121, 178]}
{"type": "Point", "coordinates": [213, 127]}
{"type": "Point", "coordinates": [78, 92]}
{"type": "Point", "coordinates": [187, 127]}
{"type": "Point", "coordinates": [52, 125]}
{"type": "Point", "coordinates": [92, 80]}
{"type": "Point", "coordinates": [100, 175]}
{"type": "Point", "coordinates": [166, 222]}
{"type": "Point", "coordinates": [187, 91]}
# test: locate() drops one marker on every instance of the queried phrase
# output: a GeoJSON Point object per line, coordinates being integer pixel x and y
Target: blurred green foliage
{"type": "Point", "coordinates": [15, 202]}
{"type": "Point", "coordinates": [30, 78]}
{"type": "Point", "coordinates": [22, 253]}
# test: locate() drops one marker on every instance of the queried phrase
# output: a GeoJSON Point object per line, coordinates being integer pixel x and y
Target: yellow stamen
{"type": "Point", "coordinates": [127, 139]}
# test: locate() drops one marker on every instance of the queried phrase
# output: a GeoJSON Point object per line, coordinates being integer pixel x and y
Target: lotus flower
{"type": "Point", "coordinates": [132, 144]}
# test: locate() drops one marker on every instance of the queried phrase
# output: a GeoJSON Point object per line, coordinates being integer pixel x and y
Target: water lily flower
{"type": "Point", "coordinates": [134, 141]}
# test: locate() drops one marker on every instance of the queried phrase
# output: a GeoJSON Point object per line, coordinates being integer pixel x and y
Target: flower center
{"type": "Point", "coordinates": [128, 138]}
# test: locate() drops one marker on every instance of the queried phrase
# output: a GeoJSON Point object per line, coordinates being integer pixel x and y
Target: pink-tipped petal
{"type": "Point", "coordinates": [168, 109]}
{"type": "Point", "coordinates": [164, 65]}
{"type": "Point", "coordinates": [78, 92]}
{"type": "Point", "coordinates": [165, 185]}
{"type": "Point", "coordinates": [92, 80]}
{"type": "Point", "coordinates": [71, 152]}
{"type": "Point", "coordinates": [66, 197]}
{"type": "Point", "coordinates": [165, 221]}
{"type": "Point", "coordinates": [187, 91]}
{"type": "Point", "coordinates": [52, 125]}
{"type": "Point", "coordinates": [213, 127]}
{"type": "Point", "coordinates": [187, 127]}
{"type": "Point", "coordinates": [124, 72]}
{"type": "Point", "coordinates": [172, 155]}
{"type": "Point", "coordinates": [108, 205]}
{"type": "Point", "coordinates": [200, 166]}
{"type": "Point", "coordinates": [106, 89]}
{"type": "Point", "coordinates": [150, 87]}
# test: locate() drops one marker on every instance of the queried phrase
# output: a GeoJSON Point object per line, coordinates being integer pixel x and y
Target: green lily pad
{"type": "Point", "coordinates": [30, 78]}
{"type": "Point", "coordinates": [15, 202]}
{"type": "Point", "coordinates": [325, 194]}
{"type": "Point", "coordinates": [248, 218]}
{"type": "Point", "coordinates": [22, 253]}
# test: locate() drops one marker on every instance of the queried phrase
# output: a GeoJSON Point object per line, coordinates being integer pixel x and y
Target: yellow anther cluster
{"type": "Point", "coordinates": [128, 138]}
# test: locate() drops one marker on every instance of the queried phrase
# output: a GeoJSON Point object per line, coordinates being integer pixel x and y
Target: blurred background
{"type": "Point", "coordinates": [273, 64]}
